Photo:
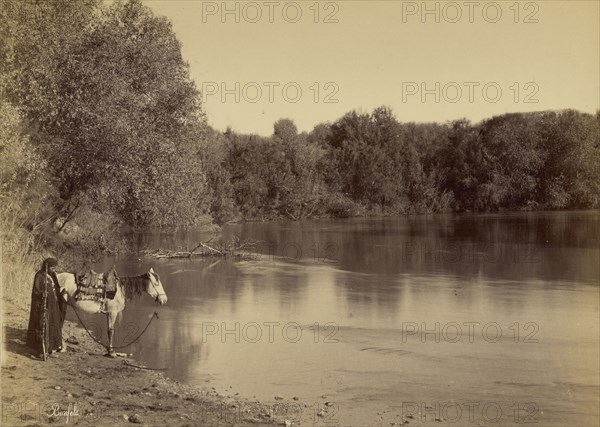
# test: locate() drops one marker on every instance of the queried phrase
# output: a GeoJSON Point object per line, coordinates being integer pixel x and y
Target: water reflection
{"type": "Point", "coordinates": [373, 279]}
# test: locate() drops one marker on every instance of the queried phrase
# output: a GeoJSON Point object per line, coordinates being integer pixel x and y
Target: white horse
{"type": "Point", "coordinates": [127, 288]}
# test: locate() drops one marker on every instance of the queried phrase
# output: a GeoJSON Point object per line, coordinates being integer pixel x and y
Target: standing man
{"type": "Point", "coordinates": [44, 332]}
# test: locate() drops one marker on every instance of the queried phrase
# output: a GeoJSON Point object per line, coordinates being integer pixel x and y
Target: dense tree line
{"type": "Point", "coordinates": [100, 124]}
{"type": "Point", "coordinates": [373, 164]}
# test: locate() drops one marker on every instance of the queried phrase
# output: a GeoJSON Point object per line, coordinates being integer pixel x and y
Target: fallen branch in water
{"type": "Point", "coordinates": [232, 248]}
{"type": "Point", "coordinates": [204, 245]}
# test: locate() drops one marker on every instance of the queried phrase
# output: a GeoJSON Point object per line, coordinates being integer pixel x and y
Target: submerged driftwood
{"type": "Point", "coordinates": [233, 248]}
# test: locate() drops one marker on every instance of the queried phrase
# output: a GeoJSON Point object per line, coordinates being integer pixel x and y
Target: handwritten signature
{"type": "Point", "coordinates": [71, 411]}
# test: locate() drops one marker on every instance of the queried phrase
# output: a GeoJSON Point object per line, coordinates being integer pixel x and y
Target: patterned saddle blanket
{"type": "Point", "coordinates": [92, 286]}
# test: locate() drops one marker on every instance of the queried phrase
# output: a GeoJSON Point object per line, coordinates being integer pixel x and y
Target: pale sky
{"type": "Point", "coordinates": [381, 53]}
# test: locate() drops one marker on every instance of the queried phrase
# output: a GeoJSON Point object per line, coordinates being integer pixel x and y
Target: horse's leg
{"type": "Point", "coordinates": [111, 316]}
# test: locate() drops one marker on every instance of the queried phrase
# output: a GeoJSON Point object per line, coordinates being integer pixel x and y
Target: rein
{"type": "Point", "coordinates": [124, 284]}
{"type": "Point", "coordinates": [155, 314]}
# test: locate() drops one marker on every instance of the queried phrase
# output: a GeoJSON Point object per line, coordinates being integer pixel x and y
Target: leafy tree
{"type": "Point", "coordinates": [515, 145]}
{"type": "Point", "coordinates": [305, 191]}
{"type": "Point", "coordinates": [99, 117]}
{"type": "Point", "coordinates": [320, 135]}
{"type": "Point", "coordinates": [26, 194]}
{"type": "Point", "coordinates": [285, 131]}
{"type": "Point", "coordinates": [462, 164]}
{"type": "Point", "coordinates": [118, 114]}
{"type": "Point", "coordinates": [366, 152]}
{"type": "Point", "coordinates": [213, 155]}
{"type": "Point", "coordinates": [571, 174]}
{"type": "Point", "coordinates": [244, 161]}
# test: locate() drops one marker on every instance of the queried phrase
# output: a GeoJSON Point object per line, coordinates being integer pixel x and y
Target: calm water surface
{"type": "Point", "coordinates": [376, 314]}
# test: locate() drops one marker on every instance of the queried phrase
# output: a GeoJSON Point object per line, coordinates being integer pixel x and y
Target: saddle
{"type": "Point", "coordinates": [93, 286]}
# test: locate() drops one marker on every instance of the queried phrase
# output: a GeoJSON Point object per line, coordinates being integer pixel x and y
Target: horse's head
{"type": "Point", "coordinates": [155, 287]}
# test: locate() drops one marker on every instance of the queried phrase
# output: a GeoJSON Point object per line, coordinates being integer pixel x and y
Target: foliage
{"type": "Point", "coordinates": [24, 199]}
{"type": "Point", "coordinates": [213, 156]}
{"type": "Point", "coordinates": [26, 193]}
{"type": "Point", "coordinates": [101, 126]}
{"type": "Point", "coordinates": [572, 170]}
{"type": "Point", "coordinates": [117, 113]}
{"type": "Point", "coordinates": [374, 164]}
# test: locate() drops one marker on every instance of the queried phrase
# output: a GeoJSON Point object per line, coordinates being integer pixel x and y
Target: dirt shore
{"type": "Point", "coordinates": [83, 387]}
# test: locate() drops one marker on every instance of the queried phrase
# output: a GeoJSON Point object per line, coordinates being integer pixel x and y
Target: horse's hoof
{"type": "Point", "coordinates": [111, 354]}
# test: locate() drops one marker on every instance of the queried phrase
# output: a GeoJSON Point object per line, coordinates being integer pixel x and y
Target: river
{"type": "Point", "coordinates": [471, 319]}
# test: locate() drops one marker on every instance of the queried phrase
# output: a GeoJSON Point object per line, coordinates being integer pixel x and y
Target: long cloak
{"type": "Point", "coordinates": [53, 332]}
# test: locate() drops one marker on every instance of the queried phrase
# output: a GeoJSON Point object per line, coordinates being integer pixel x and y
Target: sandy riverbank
{"type": "Point", "coordinates": [83, 387]}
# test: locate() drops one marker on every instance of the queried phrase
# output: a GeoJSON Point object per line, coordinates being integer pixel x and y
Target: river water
{"type": "Point", "coordinates": [473, 319]}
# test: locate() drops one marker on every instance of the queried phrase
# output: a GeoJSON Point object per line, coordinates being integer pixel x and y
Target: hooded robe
{"type": "Point", "coordinates": [55, 313]}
